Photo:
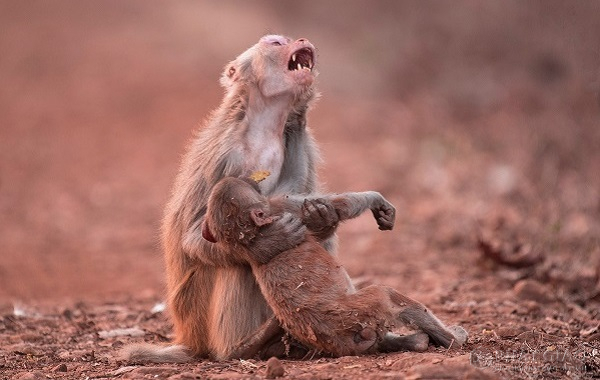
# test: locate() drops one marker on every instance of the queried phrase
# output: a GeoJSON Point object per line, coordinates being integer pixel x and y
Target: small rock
{"type": "Point", "coordinates": [533, 290]}
{"type": "Point", "coordinates": [274, 368]}
{"type": "Point", "coordinates": [67, 314]}
{"type": "Point", "coordinates": [506, 332]}
{"type": "Point", "coordinates": [158, 308]}
{"type": "Point", "coordinates": [60, 368]}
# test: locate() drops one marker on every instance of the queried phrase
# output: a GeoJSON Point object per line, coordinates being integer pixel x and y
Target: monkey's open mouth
{"type": "Point", "coordinates": [302, 59]}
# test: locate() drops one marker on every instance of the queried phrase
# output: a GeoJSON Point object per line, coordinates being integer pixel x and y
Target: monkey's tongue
{"type": "Point", "coordinates": [301, 59]}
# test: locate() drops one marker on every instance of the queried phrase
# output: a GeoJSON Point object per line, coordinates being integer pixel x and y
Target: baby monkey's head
{"type": "Point", "coordinates": [277, 65]}
{"type": "Point", "coordinates": [236, 210]}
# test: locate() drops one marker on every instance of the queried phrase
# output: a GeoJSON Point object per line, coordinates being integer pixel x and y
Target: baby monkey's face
{"type": "Point", "coordinates": [236, 210]}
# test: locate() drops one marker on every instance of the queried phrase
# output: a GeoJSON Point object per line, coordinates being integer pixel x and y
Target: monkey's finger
{"type": "Point", "coordinates": [306, 205]}
{"type": "Point", "coordinates": [386, 211]}
{"type": "Point", "coordinates": [319, 213]}
{"type": "Point", "coordinates": [388, 214]}
{"type": "Point", "coordinates": [385, 223]}
{"type": "Point", "coordinates": [327, 212]}
{"type": "Point", "coordinates": [291, 223]}
{"type": "Point", "coordinates": [292, 227]}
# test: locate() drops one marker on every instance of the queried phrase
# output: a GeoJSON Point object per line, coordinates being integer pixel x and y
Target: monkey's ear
{"type": "Point", "coordinates": [206, 234]}
{"type": "Point", "coordinates": [259, 217]}
{"type": "Point", "coordinates": [229, 75]}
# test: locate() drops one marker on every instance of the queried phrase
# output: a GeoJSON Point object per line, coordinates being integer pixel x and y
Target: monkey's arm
{"type": "Point", "coordinates": [322, 214]}
{"type": "Point", "coordinates": [351, 205]}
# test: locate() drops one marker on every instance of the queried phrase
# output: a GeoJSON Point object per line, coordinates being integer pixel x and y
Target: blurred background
{"type": "Point", "coordinates": [462, 113]}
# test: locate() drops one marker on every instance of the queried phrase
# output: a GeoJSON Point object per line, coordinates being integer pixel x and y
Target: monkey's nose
{"type": "Point", "coordinates": [302, 40]}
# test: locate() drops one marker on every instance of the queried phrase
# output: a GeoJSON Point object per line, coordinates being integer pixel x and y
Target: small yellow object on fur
{"type": "Point", "coordinates": [260, 175]}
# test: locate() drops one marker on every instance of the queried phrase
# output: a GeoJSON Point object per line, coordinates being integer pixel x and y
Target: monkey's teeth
{"type": "Point", "coordinates": [310, 63]}
{"type": "Point", "coordinates": [299, 67]}
{"type": "Point", "coordinates": [294, 57]}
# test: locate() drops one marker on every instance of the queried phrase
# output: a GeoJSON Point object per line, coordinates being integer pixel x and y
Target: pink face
{"type": "Point", "coordinates": [296, 59]}
{"type": "Point", "coordinates": [279, 65]}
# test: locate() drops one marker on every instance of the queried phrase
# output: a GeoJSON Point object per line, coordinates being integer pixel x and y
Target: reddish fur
{"type": "Point", "coordinates": [305, 286]}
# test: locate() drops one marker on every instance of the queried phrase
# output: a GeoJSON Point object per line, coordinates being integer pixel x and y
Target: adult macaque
{"type": "Point", "coordinates": [213, 298]}
{"type": "Point", "coordinates": [305, 286]}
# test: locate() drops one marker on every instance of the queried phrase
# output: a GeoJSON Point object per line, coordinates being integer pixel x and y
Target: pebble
{"type": "Point", "coordinates": [506, 332]}
{"type": "Point", "coordinates": [534, 291]}
{"type": "Point", "coordinates": [60, 368]}
{"type": "Point", "coordinates": [274, 368]}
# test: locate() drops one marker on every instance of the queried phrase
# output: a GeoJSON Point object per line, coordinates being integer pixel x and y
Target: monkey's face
{"type": "Point", "coordinates": [276, 65]}
{"type": "Point", "coordinates": [235, 213]}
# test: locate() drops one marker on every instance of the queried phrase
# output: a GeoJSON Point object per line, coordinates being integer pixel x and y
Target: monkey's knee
{"type": "Point", "coordinates": [417, 342]}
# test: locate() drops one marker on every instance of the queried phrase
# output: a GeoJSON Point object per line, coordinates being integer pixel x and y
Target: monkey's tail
{"type": "Point", "coordinates": [152, 353]}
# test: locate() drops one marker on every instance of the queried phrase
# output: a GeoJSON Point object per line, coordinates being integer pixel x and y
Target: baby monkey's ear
{"type": "Point", "coordinates": [206, 234]}
{"type": "Point", "coordinates": [259, 217]}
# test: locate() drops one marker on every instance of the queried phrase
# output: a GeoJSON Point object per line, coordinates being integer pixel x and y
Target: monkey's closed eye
{"type": "Point", "coordinates": [275, 43]}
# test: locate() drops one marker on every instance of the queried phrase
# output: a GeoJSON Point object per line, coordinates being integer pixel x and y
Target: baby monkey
{"type": "Point", "coordinates": [307, 287]}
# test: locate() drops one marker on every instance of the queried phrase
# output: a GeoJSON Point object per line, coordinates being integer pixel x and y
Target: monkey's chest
{"type": "Point", "coordinates": [265, 154]}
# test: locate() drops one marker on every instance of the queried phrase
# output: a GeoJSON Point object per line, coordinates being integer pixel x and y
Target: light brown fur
{"type": "Point", "coordinates": [306, 287]}
{"type": "Point", "coordinates": [213, 298]}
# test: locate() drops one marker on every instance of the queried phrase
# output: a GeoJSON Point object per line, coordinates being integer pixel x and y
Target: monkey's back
{"type": "Point", "coordinates": [306, 288]}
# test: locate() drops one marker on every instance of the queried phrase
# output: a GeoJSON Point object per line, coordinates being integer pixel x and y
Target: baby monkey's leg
{"type": "Point", "coordinates": [415, 314]}
{"type": "Point", "coordinates": [417, 342]}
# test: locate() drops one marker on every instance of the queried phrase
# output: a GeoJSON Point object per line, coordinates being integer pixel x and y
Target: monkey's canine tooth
{"type": "Point", "coordinates": [294, 57]}
{"type": "Point", "coordinates": [299, 67]}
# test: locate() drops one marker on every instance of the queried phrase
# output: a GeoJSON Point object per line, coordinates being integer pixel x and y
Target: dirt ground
{"type": "Point", "coordinates": [480, 121]}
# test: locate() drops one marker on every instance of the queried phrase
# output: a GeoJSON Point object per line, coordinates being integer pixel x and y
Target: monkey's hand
{"type": "Point", "coordinates": [385, 215]}
{"type": "Point", "coordinates": [320, 217]}
{"type": "Point", "coordinates": [284, 233]}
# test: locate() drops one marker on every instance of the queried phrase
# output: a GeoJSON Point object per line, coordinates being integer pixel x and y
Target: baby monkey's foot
{"type": "Point", "coordinates": [417, 342]}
